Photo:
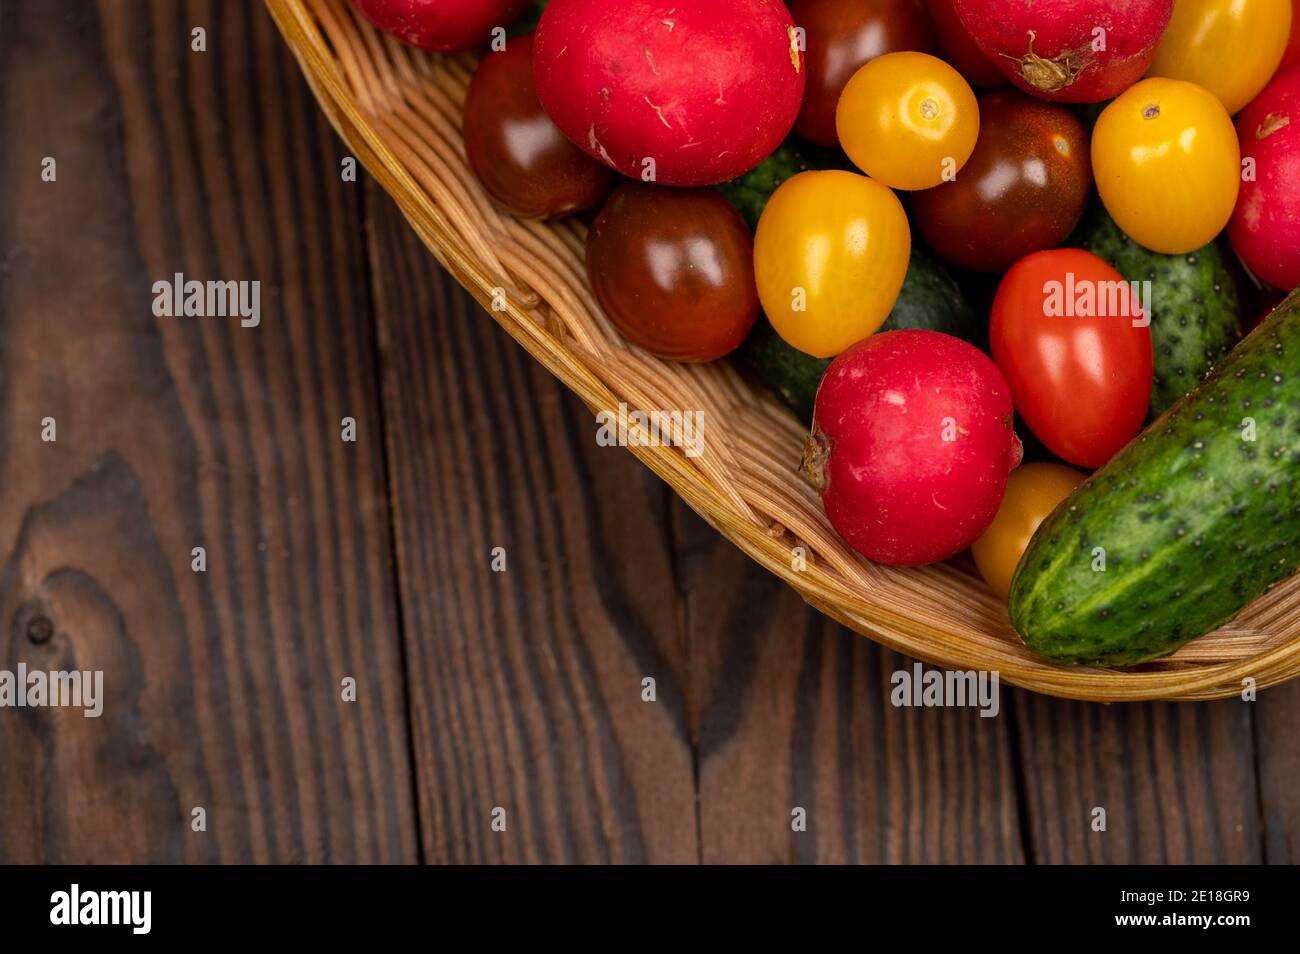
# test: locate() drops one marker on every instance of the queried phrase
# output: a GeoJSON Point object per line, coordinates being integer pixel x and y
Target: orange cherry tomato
{"type": "Point", "coordinates": [908, 120]}
{"type": "Point", "coordinates": [830, 255]}
{"type": "Point", "coordinates": [1231, 47]}
{"type": "Point", "coordinates": [1167, 164]}
{"type": "Point", "coordinates": [841, 35]}
{"type": "Point", "coordinates": [1033, 492]}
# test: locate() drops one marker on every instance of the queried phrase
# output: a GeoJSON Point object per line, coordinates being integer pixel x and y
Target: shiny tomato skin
{"type": "Point", "coordinates": [830, 256]}
{"type": "Point", "coordinates": [908, 120]}
{"type": "Point", "coordinates": [1231, 47]}
{"type": "Point", "coordinates": [1033, 492]}
{"type": "Point", "coordinates": [520, 156]}
{"type": "Point", "coordinates": [673, 270]}
{"type": "Point", "coordinates": [1081, 380]}
{"type": "Point", "coordinates": [1167, 164]}
{"type": "Point", "coordinates": [842, 35]}
{"type": "Point", "coordinates": [1022, 190]}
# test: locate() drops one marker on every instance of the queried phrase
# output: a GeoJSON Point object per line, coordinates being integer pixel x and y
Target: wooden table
{"type": "Point", "coordinates": [372, 560]}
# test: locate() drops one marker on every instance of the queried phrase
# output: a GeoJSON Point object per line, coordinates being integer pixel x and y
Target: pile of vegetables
{"type": "Point", "coordinates": [934, 229]}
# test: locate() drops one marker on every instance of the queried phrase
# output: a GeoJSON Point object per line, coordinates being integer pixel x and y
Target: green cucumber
{"type": "Point", "coordinates": [749, 193]}
{"type": "Point", "coordinates": [1185, 526]}
{"type": "Point", "coordinates": [792, 375]}
{"type": "Point", "coordinates": [930, 299]}
{"type": "Point", "coordinates": [1195, 304]}
{"type": "Point", "coordinates": [529, 23]}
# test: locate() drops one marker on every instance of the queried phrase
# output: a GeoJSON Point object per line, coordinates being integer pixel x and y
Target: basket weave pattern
{"type": "Point", "coordinates": [399, 111]}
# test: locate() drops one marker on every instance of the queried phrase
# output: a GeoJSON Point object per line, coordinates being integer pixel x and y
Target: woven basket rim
{"type": "Point", "coordinates": [820, 588]}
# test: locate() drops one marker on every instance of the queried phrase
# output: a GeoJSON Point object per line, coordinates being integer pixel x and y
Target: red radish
{"type": "Point", "coordinates": [441, 25]}
{"type": "Point", "coordinates": [959, 49]}
{"type": "Point", "coordinates": [1071, 51]}
{"type": "Point", "coordinates": [680, 92]}
{"type": "Point", "coordinates": [1265, 225]}
{"type": "Point", "coordinates": [1291, 56]}
{"type": "Point", "coordinates": [911, 445]}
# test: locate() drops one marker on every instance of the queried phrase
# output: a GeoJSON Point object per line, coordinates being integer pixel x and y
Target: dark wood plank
{"type": "Point", "coordinates": [790, 710]}
{"type": "Point", "coordinates": [1177, 781]}
{"type": "Point", "coordinates": [223, 687]}
{"type": "Point", "coordinates": [526, 685]}
{"type": "Point", "coordinates": [1277, 760]}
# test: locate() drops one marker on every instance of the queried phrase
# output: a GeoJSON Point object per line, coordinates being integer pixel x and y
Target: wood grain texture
{"type": "Point", "coordinates": [1277, 741]}
{"type": "Point", "coordinates": [522, 689]}
{"type": "Point", "coordinates": [525, 685]}
{"type": "Point", "coordinates": [223, 687]}
{"type": "Point", "coordinates": [790, 710]}
{"type": "Point", "coordinates": [1177, 781]}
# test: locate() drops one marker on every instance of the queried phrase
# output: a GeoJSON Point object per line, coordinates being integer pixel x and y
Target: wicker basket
{"type": "Point", "coordinates": [399, 112]}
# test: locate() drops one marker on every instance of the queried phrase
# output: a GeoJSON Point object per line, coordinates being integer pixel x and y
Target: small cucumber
{"type": "Point", "coordinates": [749, 193]}
{"type": "Point", "coordinates": [529, 23]}
{"type": "Point", "coordinates": [1196, 304]}
{"type": "Point", "coordinates": [792, 375]}
{"type": "Point", "coordinates": [929, 300]}
{"type": "Point", "coordinates": [1185, 526]}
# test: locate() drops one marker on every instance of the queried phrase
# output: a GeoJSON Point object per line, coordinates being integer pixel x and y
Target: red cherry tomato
{"type": "Point", "coordinates": [1069, 335]}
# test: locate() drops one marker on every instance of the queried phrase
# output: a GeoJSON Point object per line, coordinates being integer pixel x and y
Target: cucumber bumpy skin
{"type": "Point", "coordinates": [1193, 520]}
{"type": "Point", "coordinates": [930, 300]}
{"type": "Point", "coordinates": [1195, 306]}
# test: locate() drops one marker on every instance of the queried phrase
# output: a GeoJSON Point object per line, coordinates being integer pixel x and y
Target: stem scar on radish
{"type": "Point", "coordinates": [1054, 74]}
{"type": "Point", "coordinates": [1071, 51]}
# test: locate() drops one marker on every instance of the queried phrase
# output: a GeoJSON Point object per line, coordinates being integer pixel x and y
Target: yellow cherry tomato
{"type": "Point", "coordinates": [830, 255]}
{"type": "Point", "coordinates": [1231, 47]}
{"type": "Point", "coordinates": [1167, 164]}
{"type": "Point", "coordinates": [908, 120]}
{"type": "Point", "coordinates": [1033, 491]}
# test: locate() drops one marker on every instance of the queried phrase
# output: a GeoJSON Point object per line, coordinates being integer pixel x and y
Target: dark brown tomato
{"type": "Point", "coordinates": [842, 35]}
{"type": "Point", "coordinates": [519, 155]}
{"type": "Point", "coordinates": [674, 270]}
{"type": "Point", "coordinates": [1021, 191]}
